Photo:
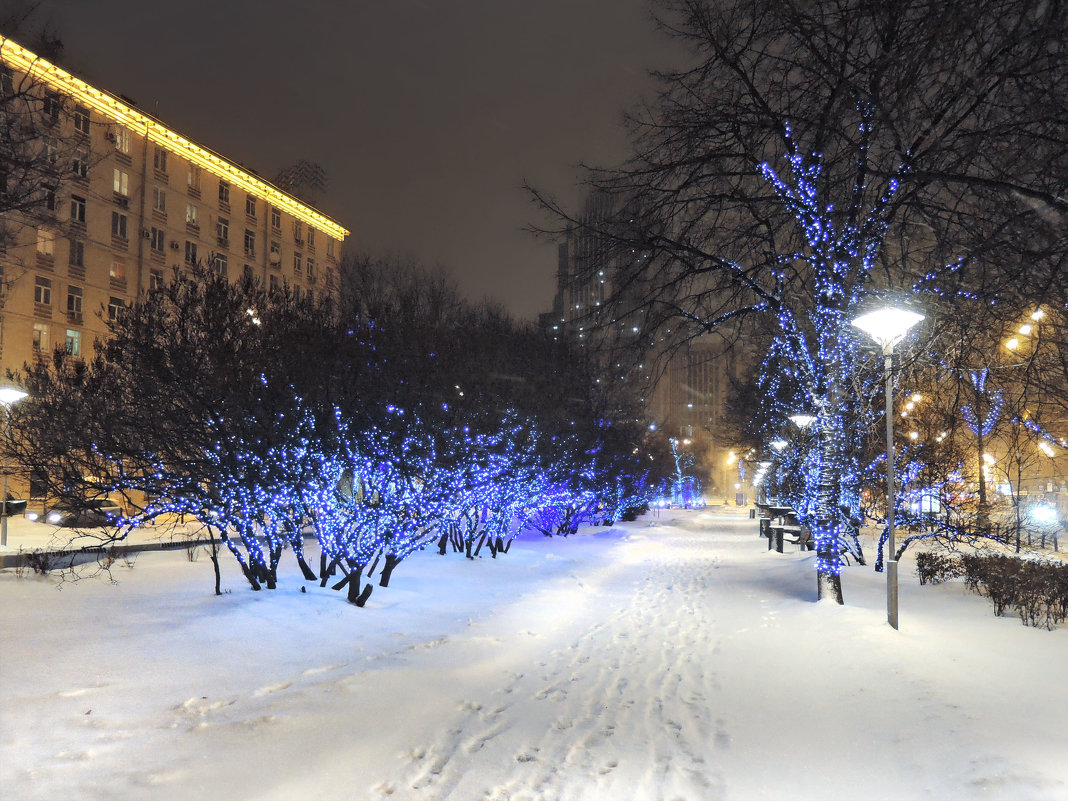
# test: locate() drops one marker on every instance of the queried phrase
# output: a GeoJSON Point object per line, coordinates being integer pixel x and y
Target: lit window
{"type": "Point", "coordinates": [74, 300]}
{"type": "Point", "coordinates": [192, 177]}
{"type": "Point", "coordinates": [121, 137]}
{"type": "Point", "coordinates": [159, 199]}
{"type": "Point", "coordinates": [192, 215]}
{"type": "Point", "coordinates": [46, 242]}
{"type": "Point", "coordinates": [117, 270]}
{"type": "Point", "coordinates": [42, 291]}
{"type": "Point", "coordinates": [74, 342]}
{"type": "Point", "coordinates": [121, 182]}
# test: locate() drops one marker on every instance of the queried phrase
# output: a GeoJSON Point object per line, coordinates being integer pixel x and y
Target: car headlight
{"type": "Point", "coordinates": [32, 516]}
{"type": "Point", "coordinates": [54, 517]}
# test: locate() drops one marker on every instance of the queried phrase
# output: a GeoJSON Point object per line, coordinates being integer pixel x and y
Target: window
{"type": "Point", "coordinates": [330, 248]}
{"type": "Point", "coordinates": [80, 164]}
{"type": "Point", "coordinates": [51, 150]}
{"type": "Point", "coordinates": [298, 231]}
{"type": "Point", "coordinates": [7, 84]}
{"type": "Point", "coordinates": [159, 159]}
{"type": "Point", "coordinates": [159, 240]}
{"type": "Point", "coordinates": [46, 242]}
{"type": "Point", "coordinates": [276, 253]}
{"type": "Point", "coordinates": [49, 197]}
{"type": "Point", "coordinates": [250, 243]}
{"type": "Point", "coordinates": [222, 230]}
{"type": "Point", "coordinates": [118, 225]}
{"type": "Point", "coordinates": [250, 205]}
{"type": "Point", "coordinates": [247, 272]}
{"type": "Point", "coordinates": [77, 209]}
{"type": "Point", "coordinates": [309, 296]}
{"type": "Point", "coordinates": [117, 270]}
{"type": "Point", "coordinates": [275, 286]}
{"type": "Point", "coordinates": [74, 300]}
{"type": "Point", "coordinates": [52, 106]}
{"type": "Point", "coordinates": [159, 199]}
{"type": "Point", "coordinates": [74, 342]}
{"type": "Point", "coordinates": [155, 280]}
{"type": "Point", "coordinates": [42, 291]}
{"type": "Point", "coordinates": [219, 263]}
{"type": "Point", "coordinates": [192, 177]}
{"type": "Point", "coordinates": [121, 182]}
{"type": "Point", "coordinates": [311, 237]}
{"type": "Point", "coordinates": [311, 269]}
{"type": "Point", "coordinates": [276, 218]}
{"type": "Point", "coordinates": [76, 255]}
{"type": "Point", "coordinates": [115, 308]}
{"type": "Point", "coordinates": [192, 214]}
{"type": "Point", "coordinates": [190, 252]}
{"type": "Point", "coordinates": [40, 338]}
{"type": "Point", "coordinates": [121, 137]}
{"type": "Point", "coordinates": [298, 263]}
{"type": "Point", "coordinates": [224, 192]}
{"type": "Point", "coordinates": [81, 119]}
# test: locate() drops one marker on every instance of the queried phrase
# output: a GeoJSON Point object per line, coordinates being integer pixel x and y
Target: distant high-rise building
{"type": "Point", "coordinates": [132, 201]}
{"type": "Point", "coordinates": [685, 382]}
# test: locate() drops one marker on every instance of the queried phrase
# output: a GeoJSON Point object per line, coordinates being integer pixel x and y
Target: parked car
{"type": "Point", "coordinates": [88, 514]}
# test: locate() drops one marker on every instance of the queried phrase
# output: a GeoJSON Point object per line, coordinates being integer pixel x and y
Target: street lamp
{"type": "Point", "coordinates": [8, 395]}
{"type": "Point", "coordinates": [802, 421]}
{"type": "Point", "coordinates": [887, 327]}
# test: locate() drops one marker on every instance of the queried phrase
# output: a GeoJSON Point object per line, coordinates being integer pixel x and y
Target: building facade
{"type": "Point", "coordinates": [134, 201]}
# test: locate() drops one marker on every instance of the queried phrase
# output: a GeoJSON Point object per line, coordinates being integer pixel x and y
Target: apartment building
{"type": "Point", "coordinates": [134, 201]}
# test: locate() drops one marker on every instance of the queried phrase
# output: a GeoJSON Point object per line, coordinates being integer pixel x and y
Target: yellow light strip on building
{"type": "Point", "coordinates": [114, 109]}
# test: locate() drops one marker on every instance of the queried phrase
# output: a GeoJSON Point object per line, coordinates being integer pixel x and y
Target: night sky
{"type": "Point", "coordinates": [427, 116]}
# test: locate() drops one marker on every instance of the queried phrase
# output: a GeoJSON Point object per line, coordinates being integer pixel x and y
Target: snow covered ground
{"type": "Point", "coordinates": [671, 658]}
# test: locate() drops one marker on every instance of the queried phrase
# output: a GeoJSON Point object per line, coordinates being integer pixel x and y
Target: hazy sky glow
{"type": "Point", "coordinates": [427, 115]}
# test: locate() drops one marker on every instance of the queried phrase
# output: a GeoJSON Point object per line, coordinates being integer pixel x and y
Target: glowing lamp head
{"type": "Point", "coordinates": [9, 395]}
{"type": "Point", "coordinates": [887, 326]}
{"type": "Point", "coordinates": [802, 420]}
{"type": "Point", "coordinates": [779, 444]}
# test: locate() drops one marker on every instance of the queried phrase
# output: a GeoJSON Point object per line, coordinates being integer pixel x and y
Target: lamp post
{"type": "Point", "coordinates": [8, 395]}
{"type": "Point", "coordinates": [887, 327]}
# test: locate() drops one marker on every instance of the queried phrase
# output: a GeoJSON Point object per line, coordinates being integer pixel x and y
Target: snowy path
{"type": "Point", "coordinates": [672, 659]}
{"type": "Point", "coordinates": [629, 669]}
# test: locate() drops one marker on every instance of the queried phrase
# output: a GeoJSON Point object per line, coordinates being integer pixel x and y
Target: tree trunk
{"type": "Point", "coordinates": [309, 575]}
{"type": "Point", "coordinates": [215, 565]}
{"type": "Point", "coordinates": [387, 569]}
{"type": "Point", "coordinates": [443, 543]}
